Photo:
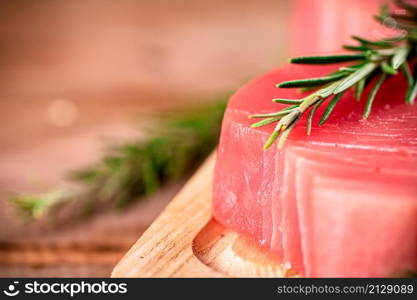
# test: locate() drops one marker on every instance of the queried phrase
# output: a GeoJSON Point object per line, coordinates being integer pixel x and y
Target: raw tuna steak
{"type": "Point", "coordinates": [341, 202]}
{"type": "Point", "coordinates": [324, 25]}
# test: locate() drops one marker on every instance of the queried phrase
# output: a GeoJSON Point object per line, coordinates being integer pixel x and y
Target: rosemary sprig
{"type": "Point", "coordinates": [384, 57]}
{"type": "Point", "coordinates": [174, 146]}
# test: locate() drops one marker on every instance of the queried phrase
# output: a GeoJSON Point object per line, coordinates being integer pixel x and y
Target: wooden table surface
{"type": "Point", "coordinates": [186, 241]}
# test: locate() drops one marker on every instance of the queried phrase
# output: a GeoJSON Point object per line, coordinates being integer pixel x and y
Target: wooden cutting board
{"type": "Point", "coordinates": [185, 241]}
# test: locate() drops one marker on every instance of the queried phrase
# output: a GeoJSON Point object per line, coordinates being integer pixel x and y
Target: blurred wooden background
{"type": "Point", "coordinates": [75, 74]}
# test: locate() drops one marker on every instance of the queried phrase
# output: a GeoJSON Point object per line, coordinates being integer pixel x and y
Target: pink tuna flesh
{"type": "Point", "coordinates": [341, 202]}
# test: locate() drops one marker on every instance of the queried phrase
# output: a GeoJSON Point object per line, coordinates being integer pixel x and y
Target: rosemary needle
{"type": "Point", "coordinates": [310, 116]}
{"type": "Point", "coordinates": [363, 41]}
{"type": "Point", "coordinates": [412, 93]}
{"type": "Point", "coordinates": [407, 73]}
{"type": "Point", "coordinates": [355, 48]}
{"type": "Point", "coordinates": [360, 86]}
{"type": "Point", "coordinates": [287, 101]}
{"type": "Point", "coordinates": [328, 59]}
{"type": "Point", "coordinates": [265, 121]}
{"type": "Point", "coordinates": [311, 82]}
{"type": "Point", "coordinates": [355, 77]}
{"type": "Point", "coordinates": [330, 108]}
{"type": "Point", "coordinates": [285, 134]}
{"type": "Point", "coordinates": [371, 98]}
{"type": "Point", "coordinates": [387, 68]}
{"type": "Point", "coordinates": [400, 56]}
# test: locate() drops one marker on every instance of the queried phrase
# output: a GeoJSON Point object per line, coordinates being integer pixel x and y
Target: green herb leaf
{"type": "Point", "coordinates": [275, 114]}
{"type": "Point", "coordinates": [310, 116]}
{"type": "Point", "coordinates": [285, 135]}
{"type": "Point", "coordinates": [355, 77]}
{"type": "Point", "coordinates": [282, 125]}
{"type": "Point", "coordinates": [311, 81]}
{"type": "Point", "coordinates": [360, 86]}
{"type": "Point", "coordinates": [407, 73]}
{"type": "Point", "coordinates": [287, 101]}
{"type": "Point", "coordinates": [355, 48]}
{"type": "Point", "coordinates": [265, 122]}
{"type": "Point", "coordinates": [363, 41]}
{"type": "Point", "coordinates": [272, 138]}
{"type": "Point", "coordinates": [351, 68]}
{"type": "Point", "coordinates": [400, 56]}
{"type": "Point", "coordinates": [411, 93]}
{"type": "Point", "coordinates": [330, 108]}
{"type": "Point", "coordinates": [326, 59]}
{"type": "Point", "coordinates": [372, 95]}
{"type": "Point", "coordinates": [386, 68]}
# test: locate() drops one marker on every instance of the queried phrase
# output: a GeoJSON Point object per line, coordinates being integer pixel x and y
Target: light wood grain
{"type": "Point", "coordinates": [165, 249]}
{"type": "Point", "coordinates": [185, 241]}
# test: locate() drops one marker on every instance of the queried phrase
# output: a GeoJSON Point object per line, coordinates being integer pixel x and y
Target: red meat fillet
{"type": "Point", "coordinates": [339, 203]}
